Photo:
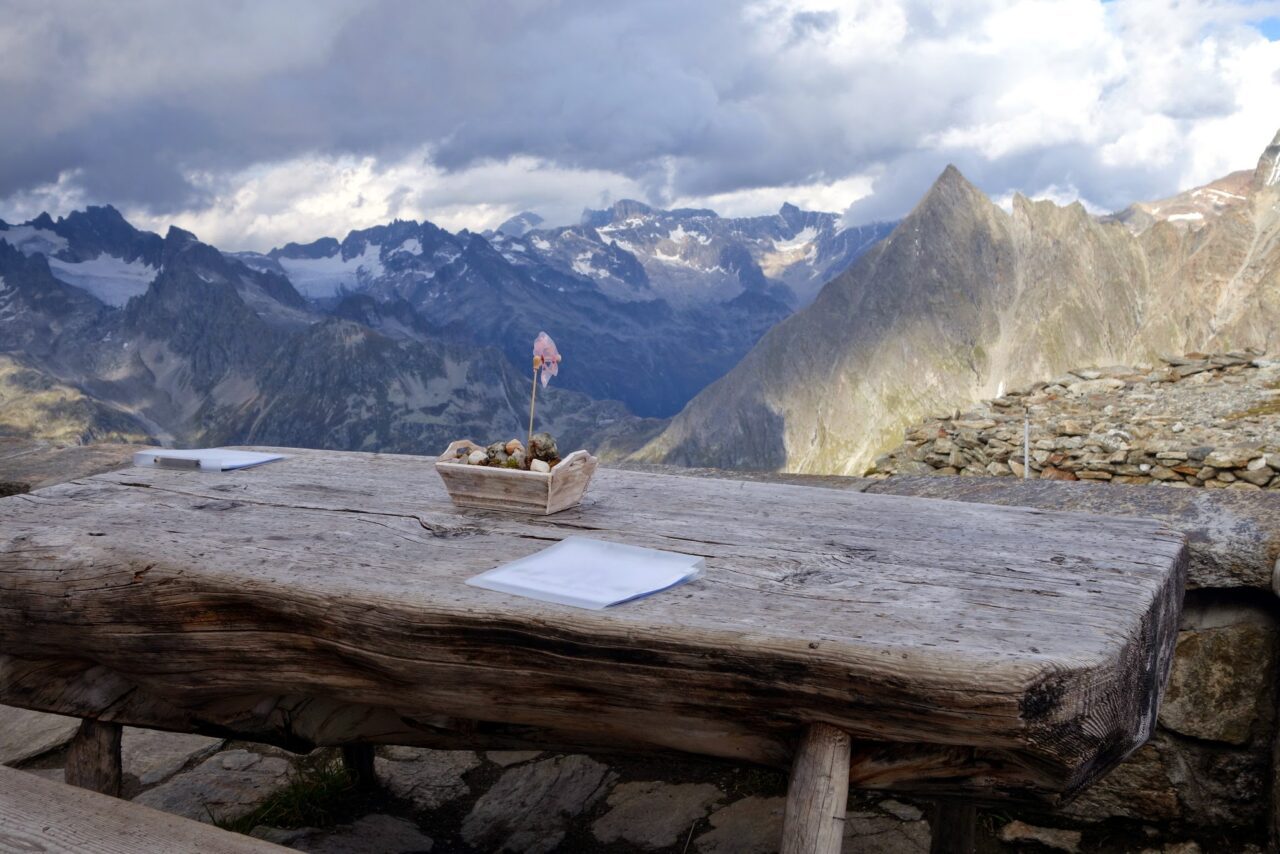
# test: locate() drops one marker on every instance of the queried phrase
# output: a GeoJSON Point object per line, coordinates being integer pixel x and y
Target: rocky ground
{"type": "Point", "coordinates": [1201, 420]}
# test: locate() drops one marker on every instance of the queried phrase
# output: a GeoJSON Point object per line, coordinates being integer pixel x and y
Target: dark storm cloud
{"type": "Point", "coordinates": [154, 105]}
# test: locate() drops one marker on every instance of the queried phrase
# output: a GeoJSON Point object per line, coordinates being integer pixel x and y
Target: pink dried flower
{"type": "Point", "coordinates": [546, 358]}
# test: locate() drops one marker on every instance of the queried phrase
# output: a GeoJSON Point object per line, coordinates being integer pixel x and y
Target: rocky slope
{"type": "Point", "coordinates": [963, 298]}
{"type": "Point", "coordinates": [1196, 421]}
{"type": "Point", "coordinates": [34, 403]}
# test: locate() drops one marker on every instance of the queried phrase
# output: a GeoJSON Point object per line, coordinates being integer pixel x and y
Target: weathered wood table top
{"type": "Point", "coordinates": [971, 650]}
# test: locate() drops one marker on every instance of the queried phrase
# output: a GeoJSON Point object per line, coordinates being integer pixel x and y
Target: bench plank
{"type": "Point", "coordinates": [41, 815]}
{"type": "Point", "coordinates": [1018, 653]}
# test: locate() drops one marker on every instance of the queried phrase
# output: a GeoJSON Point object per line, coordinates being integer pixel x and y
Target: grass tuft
{"type": "Point", "coordinates": [319, 794]}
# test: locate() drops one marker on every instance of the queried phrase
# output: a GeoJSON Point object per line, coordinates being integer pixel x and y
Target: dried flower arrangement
{"type": "Point", "coordinates": [513, 475]}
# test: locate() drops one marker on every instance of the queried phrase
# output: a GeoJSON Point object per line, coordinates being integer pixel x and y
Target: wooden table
{"type": "Point", "coordinates": [964, 652]}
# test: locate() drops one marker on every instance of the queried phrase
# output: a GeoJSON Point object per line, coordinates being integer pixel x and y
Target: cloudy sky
{"type": "Point", "coordinates": [258, 122]}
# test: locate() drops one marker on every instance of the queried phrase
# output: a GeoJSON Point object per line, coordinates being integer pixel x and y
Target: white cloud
{"type": "Point", "coordinates": [314, 195]}
{"type": "Point", "coordinates": [60, 196]}
{"type": "Point", "coordinates": [816, 196]}
{"type": "Point", "coordinates": [284, 122]}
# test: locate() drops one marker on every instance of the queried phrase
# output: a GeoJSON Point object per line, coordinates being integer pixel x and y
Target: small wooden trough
{"type": "Point", "coordinates": [492, 488]}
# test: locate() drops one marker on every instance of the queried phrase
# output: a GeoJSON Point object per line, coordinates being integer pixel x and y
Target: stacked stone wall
{"type": "Point", "coordinates": [1198, 421]}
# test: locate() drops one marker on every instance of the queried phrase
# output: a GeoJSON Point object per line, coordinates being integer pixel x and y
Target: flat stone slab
{"type": "Point", "coordinates": [1217, 691]}
{"type": "Point", "coordinates": [428, 778]}
{"type": "Point", "coordinates": [885, 834]}
{"type": "Point", "coordinates": [749, 826]}
{"type": "Point", "coordinates": [227, 785]}
{"type": "Point", "coordinates": [507, 758]}
{"type": "Point", "coordinates": [654, 815]}
{"type": "Point", "coordinates": [1020, 833]}
{"type": "Point", "coordinates": [25, 734]}
{"type": "Point", "coordinates": [154, 756]}
{"type": "Point", "coordinates": [529, 809]}
{"type": "Point", "coordinates": [383, 834]}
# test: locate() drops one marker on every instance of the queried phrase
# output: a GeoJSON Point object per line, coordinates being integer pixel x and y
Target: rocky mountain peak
{"type": "Point", "coordinates": [519, 224]}
{"type": "Point", "coordinates": [951, 199]}
{"type": "Point", "coordinates": [177, 237]}
{"type": "Point", "coordinates": [619, 211]}
{"type": "Point", "coordinates": [322, 248]}
{"type": "Point", "coordinates": [101, 215]}
{"type": "Point", "coordinates": [791, 215]}
{"type": "Point", "coordinates": [962, 298]}
{"type": "Point", "coordinates": [183, 247]}
{"type": "Point", "coordinates": [1268, 172]}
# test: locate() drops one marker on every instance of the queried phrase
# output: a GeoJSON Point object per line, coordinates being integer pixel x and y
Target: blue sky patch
{"type": "Point", "coordinates": [1269, 27]}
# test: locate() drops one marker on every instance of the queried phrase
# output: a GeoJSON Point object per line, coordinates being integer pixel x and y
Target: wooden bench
{"type": "Point", "coordinates": [38, 815]}
{"type": "Point", "coordinates": [968, 653]}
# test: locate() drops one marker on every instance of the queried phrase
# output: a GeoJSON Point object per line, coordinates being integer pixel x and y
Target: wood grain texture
{"type": "Point", "coordinates": [43, 816]}
{"type": "Point", "coordinates": [515, 490]}
{"type": "Point", "coordinates": [817, 793]}
{"type": "Point", "coordinates": [973, 650]}
{"type": "Point", "coordinates": [93, 757]}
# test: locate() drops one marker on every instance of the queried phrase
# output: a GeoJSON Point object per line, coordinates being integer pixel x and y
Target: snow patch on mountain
{"type": "Point", "coordinates": [803, 238]}
{"type": "Point", "coordinates": [412, 246]}
{"type": "Point", "coordinates": [112, 280]}
{"type": "Point", "coordinates": [318, 278]}
{"type": "Point", "coordinates": [679, 236]}
{"type": "Point", "coordinates": [583, 267]}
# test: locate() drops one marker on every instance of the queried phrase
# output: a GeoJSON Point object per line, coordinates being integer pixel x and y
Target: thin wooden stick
{"type": "Point", "coordinates": [533, 398]}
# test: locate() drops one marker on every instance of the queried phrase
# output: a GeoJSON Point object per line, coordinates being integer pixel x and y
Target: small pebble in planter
{"type": "Point", "coordinates": [543, 447]}
{"type": "Point", "coordinates": [512, 455]}
{"type": "Point", "coordinates": [540, 466]}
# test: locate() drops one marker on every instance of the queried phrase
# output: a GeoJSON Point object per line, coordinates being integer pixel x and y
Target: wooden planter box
{"type": "Point", "coordinates": [540, 493]}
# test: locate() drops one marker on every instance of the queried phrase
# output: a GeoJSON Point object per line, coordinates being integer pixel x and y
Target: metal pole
{"type": "Point", "coordinates": [1026, 444]}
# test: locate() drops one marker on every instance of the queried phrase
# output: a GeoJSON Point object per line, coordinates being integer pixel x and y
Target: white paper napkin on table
{"type": "Point", "coordinates": [205, 459]}
{"type": "Point", "coordinates": [594, 574]}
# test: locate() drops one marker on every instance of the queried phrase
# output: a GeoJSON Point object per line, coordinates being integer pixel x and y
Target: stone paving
{"type": "Point", "coordinates": [525, 801]}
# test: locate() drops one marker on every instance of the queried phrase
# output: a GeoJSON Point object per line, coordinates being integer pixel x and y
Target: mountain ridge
{"type": "Point", "coordinates": [962, 297]}
{"type": "Point", "coordinates": [187, 341]}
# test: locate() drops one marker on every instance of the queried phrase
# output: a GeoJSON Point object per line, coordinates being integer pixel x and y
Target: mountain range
{"type": "Point", "coordinates": [399, 337]}
{"type": "Point", "coordinates": [964, 297]}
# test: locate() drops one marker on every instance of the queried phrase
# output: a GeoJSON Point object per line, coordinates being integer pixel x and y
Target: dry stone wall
{"type": "Point", "coordinates": [1200, 420]}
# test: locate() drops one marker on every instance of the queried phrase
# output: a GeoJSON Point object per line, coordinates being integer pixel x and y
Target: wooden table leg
{"type": "Point", "coordinates": [358, 758]}
{"type": "Point", "coordinates": [818, 793]}
{"type": "Point", "coordinates": [954, 827]}
{"type": "Point", "coordinates": [93, 758]}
